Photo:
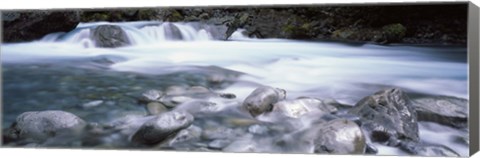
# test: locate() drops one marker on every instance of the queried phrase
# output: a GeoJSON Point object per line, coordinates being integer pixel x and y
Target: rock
{"type": "Point", "coordinates": [41, 125]}
{"type": "Point", "coordinates": [154, 108]}
{"type": "Point", "coordinates": [258, 129]}
{"type": "Point", "coordinates": [298, 107]}
{"type": "Point", "coordinates": [370, 149]}
{"type": "Point", "coordinates": [262, 99]}
{"type": "Point", "coordinates": [161, 127]}
{"type": "Point", "coordinates": [91, 104]}
{"type": "Point", "coordinates": [218, 143]}
{"type": "Point", "coordinates": [185, 137]}
{"type": "Point", "coordinates": [21, 26]}
{"type": "Point", "coordinates": [423, 149]}
{"type": "Point", "coordinates": [445, 110]}
{"type": "Point", "coordinates": [110, 36]}
{"type": "Point", "coordinates": [151, 95]}
{"type": "Point", "coordinates": [338, 136]}
{"type": "Point", "coordinates": [388, 116]}
{"type": "Point", "coordinates": [176, 95]}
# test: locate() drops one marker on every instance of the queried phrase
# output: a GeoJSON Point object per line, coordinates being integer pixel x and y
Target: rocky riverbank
{"type": "Point", "coordinates": [414, 24]}
{"type": "Point", "coordinates": [192, 117]}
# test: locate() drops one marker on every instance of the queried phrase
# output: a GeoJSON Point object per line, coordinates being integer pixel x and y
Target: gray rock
{"type": "Point", "coordinates": [445, 110]}
{"type": "Point", "coordinates": [388, 116]}
{"type": "Point", "coordinates": [41, 125]}
{"type": "Point", "coordinates": [219, 143]}
{"type": "Point", "coordinates": [152, 95]}
{"type": "Point", "coordinates": [161, 127]}
{"type": "Point", "coordinates": [298, 107]}
{"type": "Point", "coordinates": [110, 36]}
{"type": "Point", "coordinates": [154, 108]}
{"type": "Point", "coordinates": [262, 99]}
{"type": "Point", "coordinates": [185, 138]}
{"type": "Point", "coordinates": [338, 136]}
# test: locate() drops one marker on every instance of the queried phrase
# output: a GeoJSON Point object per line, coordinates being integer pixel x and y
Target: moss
{"type": "Point", "coordinates": [394, 32]}
{"type": "Point", "coordinates": [146, 14]}
{"type": "Point", "coordinates": [175, 16]}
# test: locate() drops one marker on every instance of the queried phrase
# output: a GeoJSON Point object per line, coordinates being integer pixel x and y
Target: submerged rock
{"type": "Point", "coordinates": [388, 116]}
{"type": "Point", "coordinates": [176, 95]}
{"type": "Point", "coordinates": [110, 36]}
{"type": "Point", "coordinates": [41, 125]}
{"type": "Point", "coordinates": [161, 127]}
{"type": "Point", "coordinates": [298, 107]}
{"type": "Point", "coordinates": [262, 99]}
{"type": "Point", "coordinates": [338, 136]}
{"type": "Point", "coordinates": [151, 95]}
{"type": "Point", "coordinates": [445, 110]}
{"type": "Point", "coordinates": [154, 108]}
{"type": "Point", "coordinates": [423, 149]}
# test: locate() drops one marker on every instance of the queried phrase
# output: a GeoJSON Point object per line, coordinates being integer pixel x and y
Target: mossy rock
{"type": "Point", "coordinates": [394, 32]}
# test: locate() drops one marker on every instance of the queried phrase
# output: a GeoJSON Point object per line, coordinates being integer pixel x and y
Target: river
{"type": "Point", "coordinates": [47, 74]}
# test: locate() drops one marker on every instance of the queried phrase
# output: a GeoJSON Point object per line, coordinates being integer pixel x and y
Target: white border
{"type": "Point", "coordinates": [59, 4]}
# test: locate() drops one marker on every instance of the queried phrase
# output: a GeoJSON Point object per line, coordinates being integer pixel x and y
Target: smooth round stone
{"type": "Point", "coordinates": [154, 108]}
{"type": "Point", "coordinates": [338, 136]}
{"type": "Point", "coordinates": [161, 127]}
{"type": "Point", "coordinates": [261, 100]}
{"type": "Point", "coordinates": [41, 125]}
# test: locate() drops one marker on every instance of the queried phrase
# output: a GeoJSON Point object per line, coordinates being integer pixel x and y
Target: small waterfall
{"type": "Point", "coordinates": [146, 32]}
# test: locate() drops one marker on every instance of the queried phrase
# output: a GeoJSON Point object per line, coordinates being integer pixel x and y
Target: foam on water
{"type": "Point", "coordinates": [317, 69]}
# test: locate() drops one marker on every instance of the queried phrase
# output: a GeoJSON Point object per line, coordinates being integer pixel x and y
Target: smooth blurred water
{"type": "Point", "coordinates": [346, 72]}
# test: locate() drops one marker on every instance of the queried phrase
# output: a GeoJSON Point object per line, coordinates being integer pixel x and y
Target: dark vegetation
{"type": "Point", "coordinates": [442, 23]}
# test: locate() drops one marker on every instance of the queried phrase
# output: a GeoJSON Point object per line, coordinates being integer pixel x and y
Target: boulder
{"type": "Point", "coordinates": [110, 36]}
{"type": "Point", "coordinates": [388, 116]}
{"type": "Point", "coordinates": [161, 127]}
{"type": "Point", "coordinates": [444, 110]}
{"type": "Point", "coordinates": [39, 126]}
{"type": "Point", "coordinates": [262, 99]}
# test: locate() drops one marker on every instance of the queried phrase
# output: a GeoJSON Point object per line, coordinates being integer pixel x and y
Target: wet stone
{"type": "Point", "coordinates": [388, 116]}
{"type": "Point", "coordinates": [445, 110]}
{"type": "Point", "coordinates": [298, 107]}
{"type": "Point", "coordinates": [152, 95]}
{"type": "Point", "coordinates": [337, 137]}
{"type": "Point", "coordinates": [42, 125]}
{"type": "Point", "coordinates": [154, 108]}
{"type": "Point", "coordinates": [218, 144]}
{"type": "Point", "coordinates": [161, 127]}
{"type": "Point", "coordinates": [262, 99]}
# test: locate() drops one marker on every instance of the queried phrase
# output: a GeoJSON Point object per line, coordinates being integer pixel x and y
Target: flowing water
{"type": "Point", "coordinates": [38, 75]}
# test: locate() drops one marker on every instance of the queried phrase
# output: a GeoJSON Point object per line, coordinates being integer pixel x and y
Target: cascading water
{"type": "Point", "coordinates": [144, 33]}
{"type": "Point", "coordinates": [342, 72]}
